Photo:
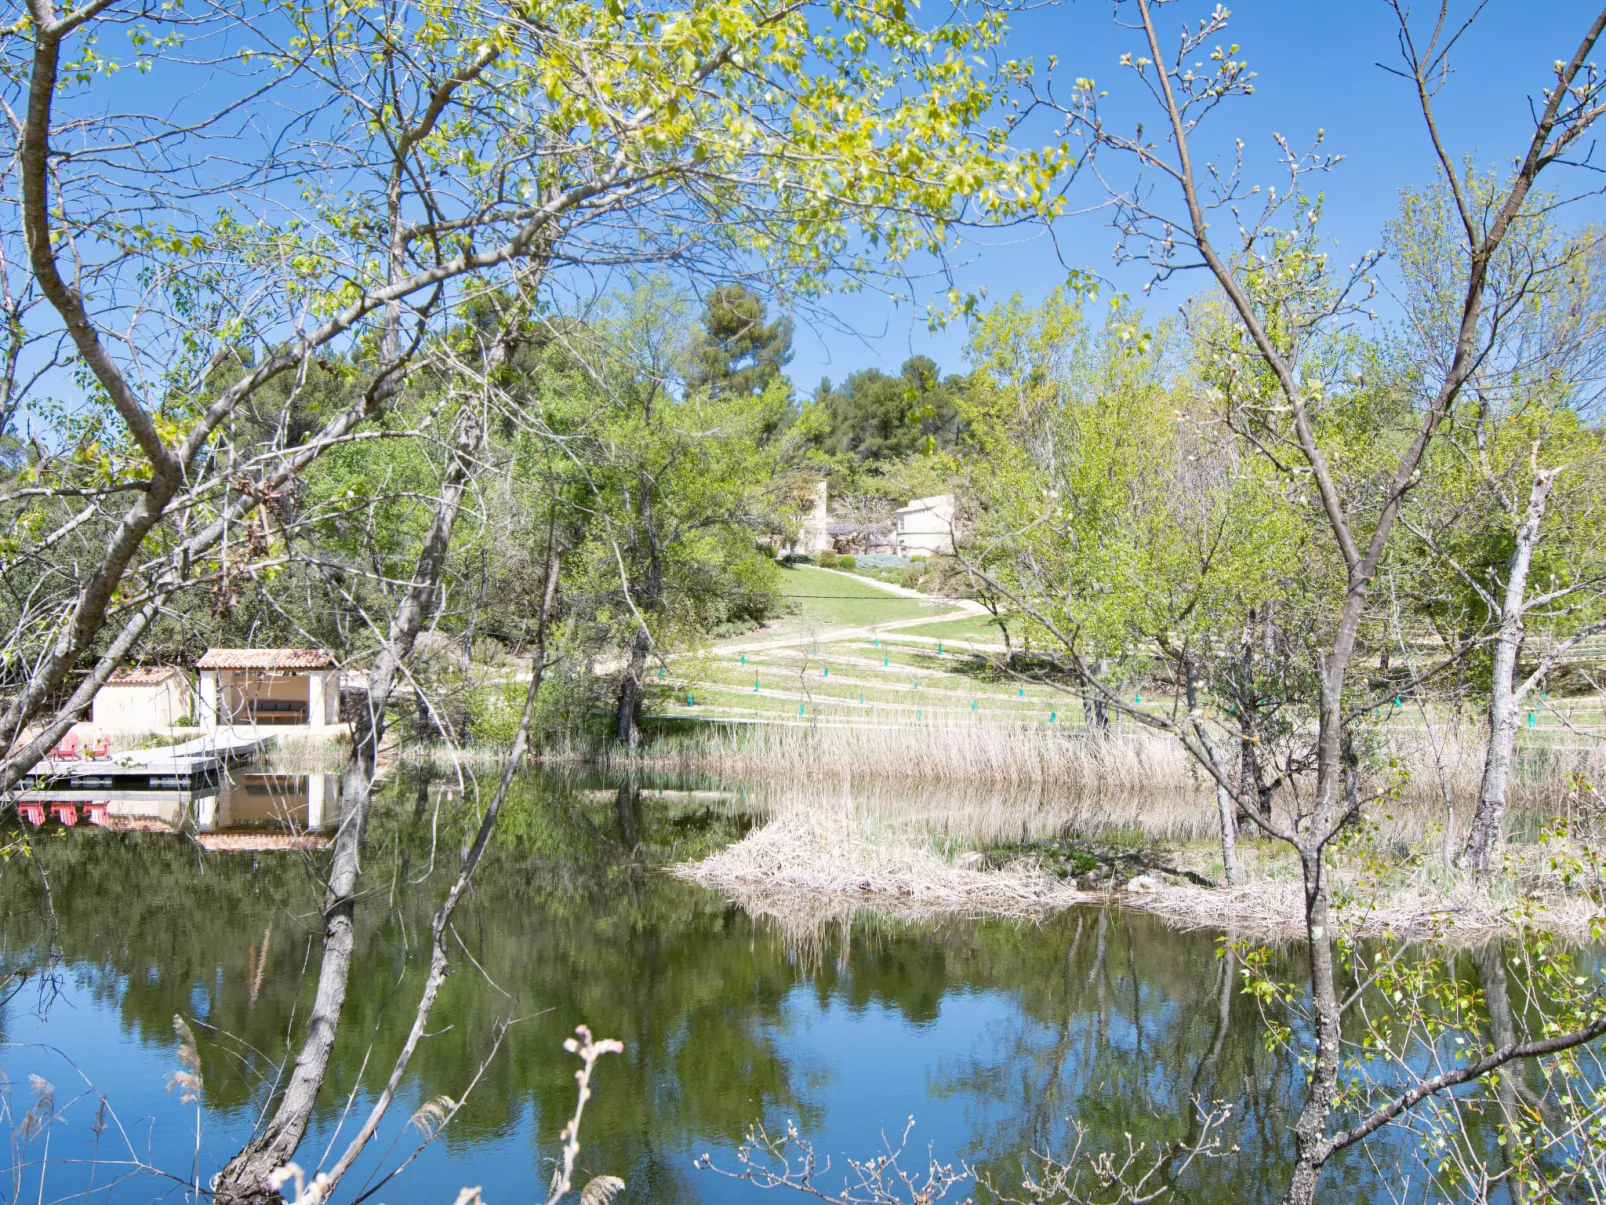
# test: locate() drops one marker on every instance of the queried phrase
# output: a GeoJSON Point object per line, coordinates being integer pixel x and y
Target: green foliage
{"type": "Point", "coordinates": [1526, 414]}
{"type": "Point", "coordinates": [1100, 498]}
{"type": "Point", "coordinates": [875, 418]}
{"type": "Point", "coordinates": [740, 352]}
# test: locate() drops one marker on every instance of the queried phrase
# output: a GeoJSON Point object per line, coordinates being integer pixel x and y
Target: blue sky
{"type": "Point", "coordinates": [1317, 62]}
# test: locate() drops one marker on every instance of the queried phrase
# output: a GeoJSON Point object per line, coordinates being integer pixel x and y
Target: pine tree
{"type": "Point", "coordinates": [741, 352]}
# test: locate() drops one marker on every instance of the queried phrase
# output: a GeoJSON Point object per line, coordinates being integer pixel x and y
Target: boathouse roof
{"type": "Point", "coordinates": [280, 659]}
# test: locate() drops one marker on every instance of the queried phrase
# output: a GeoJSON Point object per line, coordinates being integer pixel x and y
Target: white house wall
{"type": "Point", "coordinates": [146, 707]}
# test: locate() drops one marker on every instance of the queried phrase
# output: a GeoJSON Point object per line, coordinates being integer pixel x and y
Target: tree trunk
{"type": "Point", "coordinates": [1310, 1131]}
{"type": "Point", "coordinates": [1486, 834]}
{"type": "Point", "coordinates": [1312, 1146]}
{"type": "Point", "coordinates": [1249, 741]}
{"type": "Point", "coordinates": [245, 1178]}
{"type": "Point", "coordinates": [628, 721]}
{"type": "Point", "coordinates": [1095, 711]}
{"type": "Point", "coordinates": [627, 727]}
{"type": "Point", "coordinates": [438, 965]}
{"type": "Point", "coordinates": [1226, 808]}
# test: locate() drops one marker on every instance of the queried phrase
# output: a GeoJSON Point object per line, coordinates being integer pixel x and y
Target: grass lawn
{"type": "Point", "coordinates": [980, 628]}
{"type": "Point", "coordinates": [836, 600]}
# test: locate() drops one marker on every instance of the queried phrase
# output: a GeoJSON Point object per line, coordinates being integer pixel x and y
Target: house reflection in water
{"type": "Point", "coordinates": [240, 802]}
{"type": "Point", "coordinates": [301, 802]}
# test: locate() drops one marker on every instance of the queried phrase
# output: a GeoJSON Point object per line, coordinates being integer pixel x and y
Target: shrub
{"type": "Point", "coordinates": [488, 650]}
{"type": "Point", "coordinates": [944, 578]}
{"type": "Point", "coordinates": [919, 558]}
{"type": "Point", "coordinates": [847, 562]}
{"type": "Point", "coordinates": [827, 559]}
{"type": "Point", "coordinates": [910, 577]}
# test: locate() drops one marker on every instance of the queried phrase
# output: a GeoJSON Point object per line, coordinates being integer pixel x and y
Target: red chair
{"type": "Point", "coordinates": [100, 749]}
{"type": "Point", "coordinates": [67, 813]}
{"type": "Point", "coordinates": [33, 813]}
{"type": "Point", "coordinates": [67, 748]}
{"type": "Point", "coordinates": [95, 813]}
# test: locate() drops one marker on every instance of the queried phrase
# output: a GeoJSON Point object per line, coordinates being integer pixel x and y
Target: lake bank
{"type": "Point", "coordinates": [819, 853]}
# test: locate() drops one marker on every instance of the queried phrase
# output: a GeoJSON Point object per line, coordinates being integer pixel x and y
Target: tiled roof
{"type": "Point", "coordinates": [931, 503]}
{"type": "Point", "coordinates": [143, 675]}
{"type": "Point", "coordinates": [290, 659]}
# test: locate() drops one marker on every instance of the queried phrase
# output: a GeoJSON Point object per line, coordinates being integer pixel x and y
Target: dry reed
{"type": "Point", "coordinates": [949, 751]}
{"type": "Point", "coordinates": [826, 855]}
{"type": "Point", "coordinates": [957, 751]}
{"type": "Point", "coordinates": [1457, 910]}
{"type": "Point", "coordinates": [834, 851]}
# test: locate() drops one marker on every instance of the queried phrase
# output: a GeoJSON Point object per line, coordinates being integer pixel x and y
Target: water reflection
{"type": "Point", "coordinates": [992, 1033]}
{"type": "Point", "coordinates": [241, 801]}
{"type": "Point", "coordinates": [301, 802]}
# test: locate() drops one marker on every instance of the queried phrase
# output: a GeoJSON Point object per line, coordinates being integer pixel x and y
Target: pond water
{"type": "Point", "coordinates": [990, 1033]}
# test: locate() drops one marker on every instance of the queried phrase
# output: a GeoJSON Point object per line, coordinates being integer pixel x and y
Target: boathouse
{"type": "Point", "coordinates": [268, 686]}
{"type": "Point", "coordinates": [143, 698]}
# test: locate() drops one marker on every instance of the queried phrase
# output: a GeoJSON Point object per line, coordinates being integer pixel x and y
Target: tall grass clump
{"type": "Point", "coordinates": [936, 751]}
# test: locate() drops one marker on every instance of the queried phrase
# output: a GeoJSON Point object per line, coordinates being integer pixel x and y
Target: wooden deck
{"type": "Point", "coordinates": [168, 766]}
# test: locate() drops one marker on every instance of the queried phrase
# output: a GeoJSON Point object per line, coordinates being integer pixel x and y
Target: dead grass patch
{"type": "Point", "coordinates": [824, 856]}
{"type": "Point", "coordinates": [835, 852]}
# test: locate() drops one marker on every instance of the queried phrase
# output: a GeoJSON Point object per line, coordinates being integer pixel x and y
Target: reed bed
{"type": "Point", "coordinates": [981, 814]}
{"type": "Point", "coordinates": [825, 857]}
{"type": "Point", "coordinates": [961, 751]}
{"type": "Point", "coordinates": [938, 750]}
{"type": "Point", "coordinates": [1458, 911]}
